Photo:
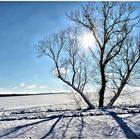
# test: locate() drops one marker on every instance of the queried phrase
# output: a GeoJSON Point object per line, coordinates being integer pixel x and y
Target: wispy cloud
{"type": "Point", "coordinates": [62, 71]}
{"type": "Point", "coordinates": [15, 87]}
{"type": "Point", "coordinates": [33, 86]}
{"type": "Point", "coordinates": [24, 88]}
{"type": "Point", "coordinates": [1, 89]}
{"type": "Point", "coordinates": [22, 85]}
{"type": "Point", "coordinates": [42, 86]}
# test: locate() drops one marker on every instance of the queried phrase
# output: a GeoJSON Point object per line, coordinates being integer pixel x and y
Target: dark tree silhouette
{"type": "Point", "coordinates": [125, 67]}
{"type": "Point", "coordinates": [72, 66]}
{"type": "Point", "coordinates": [111, 23]}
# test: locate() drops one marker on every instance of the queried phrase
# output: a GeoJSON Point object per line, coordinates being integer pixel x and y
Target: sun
{"type": "Point", "coordinates": [87, 40]}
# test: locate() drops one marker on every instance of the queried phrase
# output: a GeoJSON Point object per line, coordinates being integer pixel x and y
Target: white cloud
{"type": "Point", "coordinates": [62, 71]}
{"type": "Point", "coordinates": [43, 86]}
{"type": "Point", "coordinates": [1, 89]}
{"type": "Point", "coordinates": [31, 86]}
{"type": "Point", "coordinates": [24, 88]}
{"type": "Point", "coordinates": [15, 87]}
{"type": "Point", "coordinates": [22, 84]}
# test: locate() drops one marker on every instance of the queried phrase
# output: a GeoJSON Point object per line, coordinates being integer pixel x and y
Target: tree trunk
{"type": "Point", "coordinates": [112, 101]}
{"type": "Point", "coordinates": [103, 86]}
{"type": "Point", "coordinates": [90, 105]}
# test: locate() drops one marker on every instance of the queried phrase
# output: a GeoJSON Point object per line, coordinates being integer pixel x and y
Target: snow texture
{"type": "Point", "coordinates": [63, 121]}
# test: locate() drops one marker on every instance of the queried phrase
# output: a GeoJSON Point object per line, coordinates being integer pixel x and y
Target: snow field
{"type": "Point", "coordinates": [96, 123]}
{"type": "Point", "coordinates": [56, 116]}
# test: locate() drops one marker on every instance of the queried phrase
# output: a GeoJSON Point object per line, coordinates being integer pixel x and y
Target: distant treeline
{"type": "Point", "coordinates": [7, 95]}
{"type": "Point", "coordinates": [28, 94]}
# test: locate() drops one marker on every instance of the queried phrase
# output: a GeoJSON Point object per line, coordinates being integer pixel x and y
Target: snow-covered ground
{"type": "Point", "coordinates": [17, 102]}
{"type": "Point", "coordinates": [55, 117]}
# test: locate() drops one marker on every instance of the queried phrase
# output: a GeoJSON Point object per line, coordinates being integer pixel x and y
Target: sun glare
{"type": "Point", "coordinates": [87, 40]}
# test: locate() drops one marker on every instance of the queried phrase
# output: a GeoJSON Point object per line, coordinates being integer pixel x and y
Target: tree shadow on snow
{"type": "Point", "coordinates": [28, 126]}
{"type": "Point", "coordinates": [82, 126]}
{"type": "Point", "coordinates": [129, 133]}
{"type": "Point", "coordinates": [65, 127]}
{"type": "Point", "coordinates": [21, 129]}
{"type": "Point", "coordinates": [52, 128]}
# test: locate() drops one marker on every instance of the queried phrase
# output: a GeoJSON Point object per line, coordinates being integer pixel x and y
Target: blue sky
{"type": "Point", "coordinates": [22, 25]}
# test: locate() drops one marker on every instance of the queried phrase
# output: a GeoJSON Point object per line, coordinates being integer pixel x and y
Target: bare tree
{"type": "Point", "coordinates": [71, 64]}
{"type": "Point", "coordinates": [125, 67]}
{"type": "Point", "coordinates": [111, 23]}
